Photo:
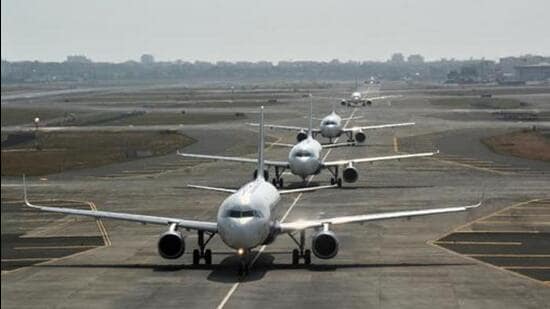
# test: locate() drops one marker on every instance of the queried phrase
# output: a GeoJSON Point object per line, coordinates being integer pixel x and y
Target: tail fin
{"type": "Point", "coordinates": [260, 171]}
{"type": "Point", "coordinates": [310, 125]}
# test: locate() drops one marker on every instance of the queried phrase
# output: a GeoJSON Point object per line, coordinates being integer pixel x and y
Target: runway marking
{"type": "Point", "coordinates": [52, 260]}
{"type": "Point", "coordinates": [486, 169]}
{"type": "Point", "coordinates": [53, 247]}
{"type": "Point", "coordinates": [101, 227]}
{"type": "Point", "coordinates": [262, 248]}
{"type": "Point", "coordinates": [473, 258]}
{"type": "Point", "coordinates": [24, 260]}
{"type": "Point", "coordinates": [509, 255]}
{"type": "Point", "coordinates": [526, 267]}
{"type": "Point", "coordinates": [509, 222]}
{"type": "Point", "coordinates": [395, 144]}
{"type": "Point", "coordinates": [496, 243]}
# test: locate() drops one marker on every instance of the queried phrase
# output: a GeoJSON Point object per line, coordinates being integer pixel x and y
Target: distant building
{"type": "Point", "coordinates": [415, 59]}
{"type": "Point", "coordinates": [147, 59]}
{"type": "Point", "coordinates": [397, 58]}
{"type": "Point", "coordinates": [507, 65]}
{"type": "Point", "coordinates": [533, 72]}
{"type": "Point", "coordinates": [78, 59]}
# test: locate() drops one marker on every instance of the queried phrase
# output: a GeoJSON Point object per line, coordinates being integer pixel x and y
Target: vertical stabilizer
{"type": "Point", "coordinates": [260, 170]}
{"type": "Point", "coordinates": [310, 124]}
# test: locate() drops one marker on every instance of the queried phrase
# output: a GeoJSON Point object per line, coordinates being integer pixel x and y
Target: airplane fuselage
{"type": "Point", "coordinates": [305, 157]}
{"type": "Point", "coordinates": [331, 126]}
{"type": "Point", "coordinates": [245, 217]}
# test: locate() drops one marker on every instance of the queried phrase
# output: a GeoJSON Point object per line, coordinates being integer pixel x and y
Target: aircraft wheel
{"type": "Point", "coordinates": [339, 181]}
{"type": "Point", "coordinates": [332, 181]}
{"type": "Point", "coordinates": [281, 183]}
{"type": "Point", "coordinates": [274, 182]}
{"type": "Point", "coordinates": [243, 268]}
{"type": "Point", "coordinates": [307, 257]}
{"type": "Point", "coordinates": [196, 257]}
{"type": "Point", "coordinates": [295, 257]}
{"type": "Point", "coordinates": [208, 257]}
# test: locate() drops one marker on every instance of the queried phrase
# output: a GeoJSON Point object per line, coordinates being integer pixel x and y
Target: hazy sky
{"type": "Point", "coordinates": [211, 30]}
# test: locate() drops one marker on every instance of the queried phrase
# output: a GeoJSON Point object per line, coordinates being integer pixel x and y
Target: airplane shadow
{"type": "Point", "coordinates": [226, 270]}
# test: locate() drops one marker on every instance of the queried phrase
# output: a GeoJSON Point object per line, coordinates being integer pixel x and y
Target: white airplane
{"type": "Point", "coordinates": [332, 126]}
{"type": "Point", "coordinates": [304, 159]}
{"type": "Point", "coordinates": [245, 220]}
{"type": "Point", "coordinates": [357, 99]}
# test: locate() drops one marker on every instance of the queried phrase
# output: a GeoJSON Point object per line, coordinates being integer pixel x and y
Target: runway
{"type": "Point", "coordinates": [495, 256]}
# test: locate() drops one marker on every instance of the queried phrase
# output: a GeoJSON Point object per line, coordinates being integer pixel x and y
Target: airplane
{"type": "Point", "coordinates": [245, 220]}
{"type": "Point", "coordinates": [357, 99]}
{"type": "Point", "coordinates": [304, 159]}
{"type": "Point", "coordinates": [332, 126]}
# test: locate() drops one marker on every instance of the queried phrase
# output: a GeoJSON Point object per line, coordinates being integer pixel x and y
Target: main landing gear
{"type": "Point", "coordinates": [201, 253]}
{"type": "Point", "coordinates": [335, 180]}
{"type": "Point", "coordinates": [300, 253]}
{"type": "Point", "coordinates": [278, 180]}
{"type": "Point", "coordinates": [350, 136]}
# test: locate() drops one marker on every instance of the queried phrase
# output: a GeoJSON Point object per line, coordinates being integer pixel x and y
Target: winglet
{"type": "Point", "coordinates": [25, 190]}
{"type": "Point", "coordinates": [260, 170]}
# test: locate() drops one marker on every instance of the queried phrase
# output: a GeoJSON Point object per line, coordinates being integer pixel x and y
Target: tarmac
{"type": "Point", "coordinates": [494, 256]}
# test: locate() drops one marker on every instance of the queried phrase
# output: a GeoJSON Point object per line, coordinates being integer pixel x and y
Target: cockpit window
{"type": "Point", "coordinates": [234, 213]}
{"type": "Point", "coordinates": [302, 154]}
{"type": "Point", "coordinates": [330, 122]}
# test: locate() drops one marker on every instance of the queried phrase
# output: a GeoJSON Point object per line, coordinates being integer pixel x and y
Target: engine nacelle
{"type": "Point", "coordinates": [369, 102]}
{"type": "Point", "coordinates": [350, 174]}
{"type": "Point", "coordinates": [325, 245]}
{"type": "Point", "coordinates": [266, 174]}
{"type": "Point", "coordinates": [343, 102]}
{"type": "Point", "coordinates": [302, 135]}
{"type": "Point", "coordinates": [171, 245]}
{"type": "Point", "coordinates": [360, 136]}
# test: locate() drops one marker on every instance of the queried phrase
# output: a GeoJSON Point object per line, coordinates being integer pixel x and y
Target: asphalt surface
{"type": "Point", "coordinates": [386, 264]}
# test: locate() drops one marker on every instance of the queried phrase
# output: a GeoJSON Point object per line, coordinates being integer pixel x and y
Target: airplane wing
{"type": "Point", "coordinates": [234, 159]}
{"type": "Point", "coordinates": [182, 223]}
{"type": "Point", "coordinates": [287, 191]}
{"type": "Point", "coordinates": [281, 127]}
{"type": "Point", "coordinates": [374, 159]}
{"type": "Point", "coordinates": [226, 190]}
{"type": "Point", "coordinates": [336, 145]}
{"type": "Point", "coordinates": [383, 97]}
{"type": "Point", "coordinates": [307, 224]}
{"type": "Point", "coordinates": [352, 118]}
{"type": "Point", "coordinates": [307, 189]}
{"type": "Point", "coordinates": [381, 126]}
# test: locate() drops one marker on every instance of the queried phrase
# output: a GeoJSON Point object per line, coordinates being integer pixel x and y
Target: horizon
{"type": "Point", "coordinates": [253, 31]}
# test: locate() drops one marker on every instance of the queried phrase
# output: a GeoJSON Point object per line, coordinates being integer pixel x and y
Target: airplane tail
{"type": "Point", "coordinates": [310, 124]}
{"type": "Point", "coordinates": [260, 170]}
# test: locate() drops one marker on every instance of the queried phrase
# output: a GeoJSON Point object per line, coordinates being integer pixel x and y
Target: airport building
{"type": "Point", "coordinates": [533, 72]}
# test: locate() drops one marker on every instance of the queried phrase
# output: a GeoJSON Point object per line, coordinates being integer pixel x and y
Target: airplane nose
{"type": "Point", "coordinates": [241, 233]}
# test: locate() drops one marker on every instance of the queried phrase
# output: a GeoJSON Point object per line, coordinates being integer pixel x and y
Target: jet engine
{"type": "Point", "coordinates": [350, 174]}
{"type": "Point", "coordinates": [325, 244]}
{"type": "Point", "coordinates": [171, 244]}
{"type": "Point", "coordinates": [302, 135]}
{"type": "Point", "coordinates": [343, 102]}
{"type": "Point", "coordinates": [266, 174]}
{"type": "Point", "coordinates": [369, 102]}
{"type": "Point", "coordinates": [360, 136]}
